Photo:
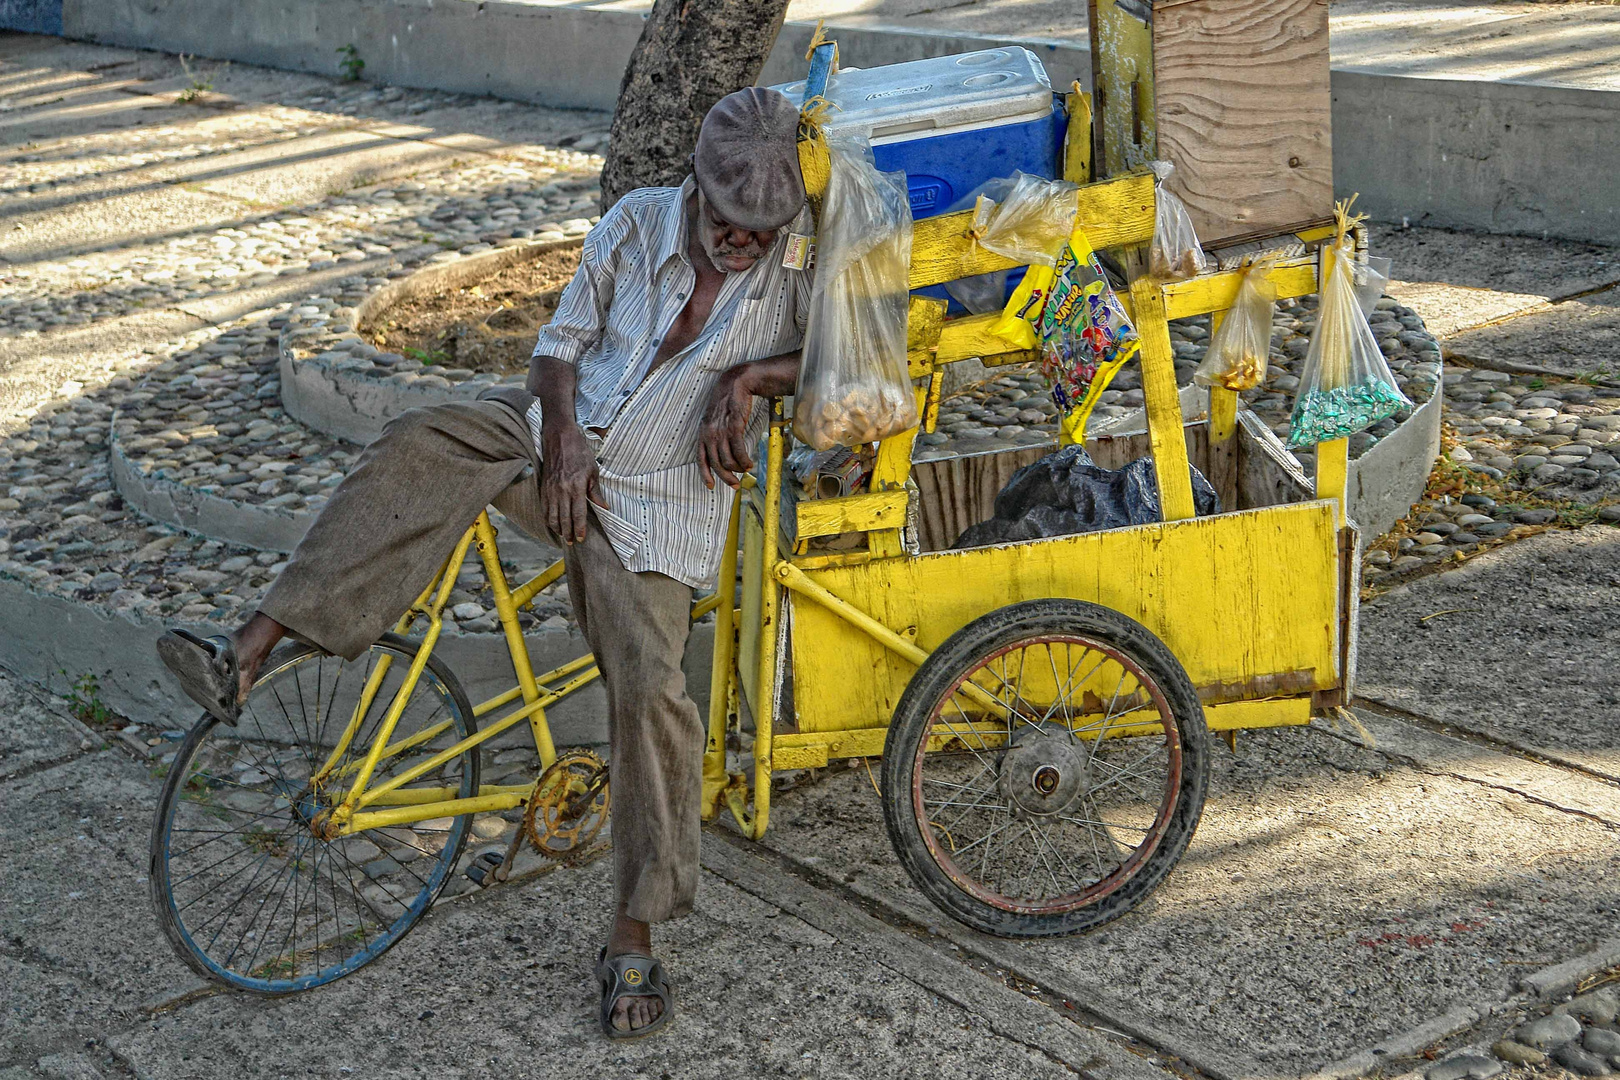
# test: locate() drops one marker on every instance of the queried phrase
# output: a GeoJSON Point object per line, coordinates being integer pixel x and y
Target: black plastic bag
{"type": "Point", "coordinates": [1067, 493]}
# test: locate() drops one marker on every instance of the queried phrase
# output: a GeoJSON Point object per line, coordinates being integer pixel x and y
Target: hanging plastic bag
{"type": "Point", "coordinates": [1372, 276]}
{"type": "Point", "coordinates": [1241, 345]}
{"type": "Point", "coordinates": [1025, 218]}
{"type": "Point", "coordinates": [1346, 386]}
{"type": "Point", "coordinates": [1070, 312]}
{"type": "Point", "coordinates": [1176, 252]}
{"type": "Point", "coordinates": [854, 386]}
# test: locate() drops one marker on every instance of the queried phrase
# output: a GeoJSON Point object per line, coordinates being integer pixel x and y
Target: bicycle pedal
{"type": "Point", "coordinates": [483, 866]}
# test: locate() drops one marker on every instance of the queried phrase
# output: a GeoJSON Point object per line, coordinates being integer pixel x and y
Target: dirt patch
{"type": "Point", "coordinates": [489, 325]}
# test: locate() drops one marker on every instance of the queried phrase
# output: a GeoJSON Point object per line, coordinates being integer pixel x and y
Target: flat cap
{"type": "Point", "coordinates": [747, 159]}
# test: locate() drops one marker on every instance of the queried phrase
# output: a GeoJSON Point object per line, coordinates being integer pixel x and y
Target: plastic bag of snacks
{"type": "Point", "coordinates": [1069, 311]}
{"type": "Point", "coordinates": [854, 385]}
{"type": "Point", "coordinates": [1346, 386]}
{"type": "Point", "coordinates": [1176, 253]}
{"type": "Point", "coordinates": [1240, 346]}
{"type": "Point", "coordinates": [1025, 218]}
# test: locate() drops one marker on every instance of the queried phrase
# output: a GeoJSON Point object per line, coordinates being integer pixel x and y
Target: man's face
{"type": "Point", "coordinates": [731, 249]}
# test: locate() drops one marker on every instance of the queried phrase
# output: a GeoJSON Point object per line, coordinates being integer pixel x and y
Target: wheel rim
{"type": "Point", "coordinates": [1049, 774]}
{"type": "Point", "coordinates": [253, 893]}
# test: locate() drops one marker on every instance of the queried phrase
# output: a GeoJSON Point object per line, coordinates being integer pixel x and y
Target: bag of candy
{"type": "Point", "coordinates": [1346, 385]}
{"type": "Point", "coordinates": [1176, 252]}
{"type": "Point", "coordinates": [1240, 346]}
{"type": "Point", "coordinates": [1070, 313]}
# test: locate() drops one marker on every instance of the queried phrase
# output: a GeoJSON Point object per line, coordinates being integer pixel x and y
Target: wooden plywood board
{"type": "Point", "coordinates": [1243, 106]}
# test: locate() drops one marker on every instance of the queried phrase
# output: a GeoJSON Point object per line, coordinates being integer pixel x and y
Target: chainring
{"type": "Point", "coordinates": [568, 806]}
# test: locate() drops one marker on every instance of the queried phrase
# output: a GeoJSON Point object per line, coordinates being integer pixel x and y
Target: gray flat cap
{"type": "Point", "coordinates": [747, 159]}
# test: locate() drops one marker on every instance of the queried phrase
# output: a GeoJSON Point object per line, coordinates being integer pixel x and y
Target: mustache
{"type": "Point", "coordinates": [751, 250]}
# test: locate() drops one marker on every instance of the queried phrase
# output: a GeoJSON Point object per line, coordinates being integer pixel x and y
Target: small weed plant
{"type": "Point", "coordinates": [351, 63]}
{"type": "Point", "coordinates": [436, 356]}
{"type": "Point", "coordinates": [84, 700]}
{"type": "Point", "coordinates": [199, 86]}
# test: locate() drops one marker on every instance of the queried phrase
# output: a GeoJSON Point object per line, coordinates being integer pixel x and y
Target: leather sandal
{"type": "Point", "coordinates": [632, 975]}
{"type": "Point", "coordinates": [206, 670]}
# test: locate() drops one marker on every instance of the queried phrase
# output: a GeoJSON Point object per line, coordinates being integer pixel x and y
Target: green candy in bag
{"type": "Point", "coordinates": [1346, 385]}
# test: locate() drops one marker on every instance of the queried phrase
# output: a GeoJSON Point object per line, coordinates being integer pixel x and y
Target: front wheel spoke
{"type": "Point", "coordinates": [1035, 831]}
{"type": "Point", "coordinates": [981, 840]}
{"type": "Point", "coordinates": [1057, 853]}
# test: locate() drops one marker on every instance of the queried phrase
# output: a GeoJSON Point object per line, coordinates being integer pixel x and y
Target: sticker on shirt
{"type": "Point", "coordinates": [800, 252]}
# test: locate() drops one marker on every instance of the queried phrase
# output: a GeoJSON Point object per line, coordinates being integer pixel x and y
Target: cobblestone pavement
{"type": "Point", "coordinates": [1339, 897]}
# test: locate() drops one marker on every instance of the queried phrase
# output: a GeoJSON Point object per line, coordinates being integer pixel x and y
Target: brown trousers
{"type": "Point", "coordinates": [391, 524]}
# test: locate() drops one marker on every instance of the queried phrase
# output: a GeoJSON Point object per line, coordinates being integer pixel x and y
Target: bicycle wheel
{"type": "Point", "coordinates": [1045, 769]}
{"type": "Point", "coordinates": [247, 889]}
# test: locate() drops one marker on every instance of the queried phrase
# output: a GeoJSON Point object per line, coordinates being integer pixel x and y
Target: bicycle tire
{"type": "Point", "coordinates": [247, 777]}
{"type": "Point", "coordinates": [941, 864]}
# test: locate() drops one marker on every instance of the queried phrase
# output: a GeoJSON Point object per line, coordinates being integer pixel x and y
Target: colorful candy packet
{"type": "Point", "coordinates": [1070, 312]}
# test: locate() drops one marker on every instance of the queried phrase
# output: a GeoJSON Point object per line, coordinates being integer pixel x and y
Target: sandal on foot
{"type": "Point", "coordinates": [632, 975]}
{"type": "Point", "coordinates": [205, 669]}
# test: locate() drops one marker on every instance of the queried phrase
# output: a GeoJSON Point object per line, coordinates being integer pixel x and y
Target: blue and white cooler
{"type": "Point", "coordinates": [951, 123]}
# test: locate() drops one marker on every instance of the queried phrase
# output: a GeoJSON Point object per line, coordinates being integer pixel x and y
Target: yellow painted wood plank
{"type": "Point", "coordinates": [810, 756]}
{"type": "Point", "coordinates": [1163, 402]}
{"type": "Point", "coordinates": [1272, 712]}
{"type": "Point", "coordinates": [1112, 213]}
{"type": "Point", "coordinates": [1217, 292]}
{"type": "Point", "coordinates": [924, 317]}
{"type": "Point", "coordinates": [852, 513]}
{"type": "Point", "coordinates": [892, 466]}
{"type": "Point", "coordinates": [923, 321]}
{"type": "Point", "coordinates": [1333, 472]}
{"type": "Point", "coordinates": [860, 742]}
{"type": "Point", "coordinates": [1122, 88]}
{"type": "Point", "coordinates": [931, 400]}
{"type": "Point", "coordinates": [1247, 602]}
{"type": "Point", "coordinates": [813, 750]}
{"type": "Point", "coordinates": [1077, 143]}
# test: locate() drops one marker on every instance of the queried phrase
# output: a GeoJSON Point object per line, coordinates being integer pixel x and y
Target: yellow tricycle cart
{"type": "Point", "coordinates": [1042, 708]}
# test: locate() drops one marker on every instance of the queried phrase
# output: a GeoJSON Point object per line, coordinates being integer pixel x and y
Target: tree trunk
{"type": "Point", "coordinates": [691, 54]}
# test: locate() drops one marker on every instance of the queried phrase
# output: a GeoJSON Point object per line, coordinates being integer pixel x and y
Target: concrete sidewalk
{"type": "Point", "coordinates": [773, 976]}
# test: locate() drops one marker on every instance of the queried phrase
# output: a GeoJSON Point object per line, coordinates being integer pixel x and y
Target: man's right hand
{"type": "Point", "coordinates": [568, 478]}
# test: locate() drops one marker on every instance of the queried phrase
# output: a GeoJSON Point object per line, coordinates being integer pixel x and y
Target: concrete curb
{"type": "Point", "coordinates": [353, 405]}
{"type": "Point", "coordinates": [53, 639]}
{"type": "Point", "coordinates": [1538, 988]}
{"type": "Point", "coordinates": [1560, 979]}
{"type": "Point", "coordinates": [262, 527]}
{"type": "Point", "coordinates": [1473, 154]}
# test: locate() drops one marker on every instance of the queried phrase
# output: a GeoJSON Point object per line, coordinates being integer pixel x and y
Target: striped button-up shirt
{"type": "Point", "coordinates": [634, 278]}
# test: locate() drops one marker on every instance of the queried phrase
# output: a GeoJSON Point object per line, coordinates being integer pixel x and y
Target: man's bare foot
{"type": "Point", "coordinates": [631, 936]}
{"type": "Point", "coordinates": [253, 641]}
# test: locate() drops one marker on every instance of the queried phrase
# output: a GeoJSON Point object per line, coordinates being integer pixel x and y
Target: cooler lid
{"type": "Point", "coordinates": [940, 94]}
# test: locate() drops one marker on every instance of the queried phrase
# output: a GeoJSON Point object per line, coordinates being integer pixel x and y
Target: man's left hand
{"type": "Point", "coordinates": [722, 442]}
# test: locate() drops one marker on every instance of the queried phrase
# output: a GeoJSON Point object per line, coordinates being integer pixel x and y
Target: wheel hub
{"type": "Point", "coordinates": [1042, 774]}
